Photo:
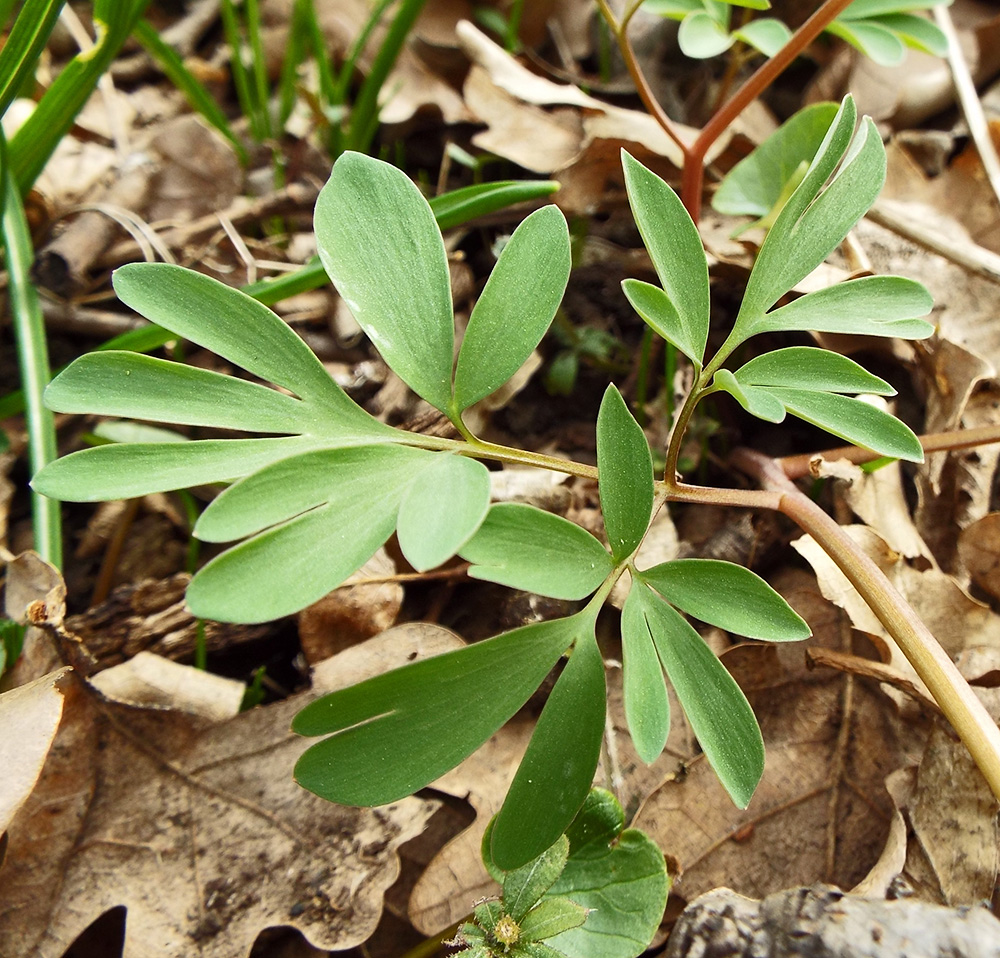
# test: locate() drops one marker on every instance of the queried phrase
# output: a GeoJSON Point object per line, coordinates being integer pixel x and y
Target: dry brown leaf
{"type": "Point", "coordinates": [354, 612]}
{"type": "Point", "coordinates": [820, 813]}
{"type": "Point", "coordinates": [198, 831]}
{"type": "Point", "coordinates": [29, 717]}
{"type": "Point", "coordinates": [979, 548]}
{"type": "Point", "coordinates": [954, 818]}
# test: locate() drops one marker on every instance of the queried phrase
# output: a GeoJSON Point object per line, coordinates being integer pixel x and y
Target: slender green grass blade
{"type": "Point", "coordinates": [24, 45]}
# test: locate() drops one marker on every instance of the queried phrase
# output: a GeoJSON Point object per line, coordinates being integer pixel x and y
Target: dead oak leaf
{"type": "Point", "coordinates": [200, 832]}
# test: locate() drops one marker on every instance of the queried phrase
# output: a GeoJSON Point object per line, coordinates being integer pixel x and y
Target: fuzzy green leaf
{"type": "Point", "coordinates": [728, 596]}
{"type": "Point", "coordinates": [525, 548]}
{"type": "Point", "coordinates": [399, 731]}
{"type": "Point", "coordinates": [524, 886]}
{"type": "Point", "coordinates": [702, 36]}
{"type": "Point", "coordinates": [805, 367]}
{"type": "Point", "coordinates": [870, 306]}
{"type": "Point", "coordinates": [754, 185]}
{"type": "Point", "coordinates": [625, 475]}
{"type": "Point", "coordinates": [112, 383]}
{"type": "Point", "coordinates": [757, 402]}
{"type": "Point", "coordinates": [766, 35]}
{"type": "Point", "coordinates": [235, 327]}
{"type": "Point", "coordinates": [381, 246]}
{"type": "Point", "coordinates": [674, 9]}
{"type": "Point", "coordinates": [917, 32]}
{"type": "Point", "coordinates": [659, 313]}
{"type": "Point", "coordinates": [618, 874]}
{"type": "Point", "coordinates": [559, 764]}
{"type": "Point", "coordinates": [853, 420]}
{"type": "Point", "coordinates": [516, 306]}
{"type": "Point", "coordinates": [443, 506]}
{"type": "Point", "coordinates": [675, 248]}
{"type": "Point", "coordinates": [552, 917]}
{"type": "Point", "coordinates": [127, 471]}
{"type": "Point", "coordinates": [874, 40]}
{"type": "Point", "coordinates": [714, 704]}
{"type": "Point", "coordinates": [647, 708]}
{"type": "Point", "coordinates": [862, 9]}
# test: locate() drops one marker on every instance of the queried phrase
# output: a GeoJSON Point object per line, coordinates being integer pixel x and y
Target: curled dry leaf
{"type": "Point", "coordinates": [979, 549]}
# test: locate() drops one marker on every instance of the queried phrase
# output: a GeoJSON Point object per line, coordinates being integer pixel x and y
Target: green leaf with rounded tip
{"type": "Point", "coordinates": [806, 367]}
{"type": "Point", "coordinates": [757, 402]}
{"type": "Point", "coordinates": [558, 767]}
{"type": "Point", "coordinates": [714, 704]}
{"type": "Point", "coordinates": [459, 206]}
{"type": "Point", "coordinates": [552, 917]}
{"type": "Point", "coordinates": [674, 9]}
{"type": "Point", "coordinates": [728, 596]}
{"type": "Point", "coordinates": [875, 41]}
{"type": "Point", "coordinates": [853, 420]}
{"type": "Point", "coordinates": [618, 874]}
{"type": "Point", "coordinates": [766, 35]}
{"type": "Point", "coordinates": [754, 185]}
{"type": "Point", "coordinates": [659, 313]}
{"type": "Point", "coordinates": [399, 731]}
{"type": "Point", "coordinates": [862, 9]}
{"type": "Point", "coordinates": [525, 548]}
{"type": "Point", "coordinates": [675, 248]}
{"type": "Point", "coordinates": [296, 484]}
{"type": "Point", "coordinates": [443, 506]}
{"type": "Point", "coordinates": [917, 32]}
{"type": "Point", "coordinates": [702, 36]}
{"type": "Point", "coordinates": [379, 243]}
{"type": "Point", "coordinates": [137, 469]}
{"type": "Point", "coordinates": [870, 306]}
{"type": "Point", "coordinates": [112, 383]}
{"type": "Point", "coordinates": [516, 306]}
{"type": "Point", "coordinates": [524, 886]}
{"type": "Point", "coordinates": [647, 709]}
{"type": "Point", "coordinates": [235, 327]}
{"type": "Point", "coordinates": [625, 475]}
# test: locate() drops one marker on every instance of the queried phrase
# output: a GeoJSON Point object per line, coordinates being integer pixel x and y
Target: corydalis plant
{"type": "Point", "coordinates": [315, 498]}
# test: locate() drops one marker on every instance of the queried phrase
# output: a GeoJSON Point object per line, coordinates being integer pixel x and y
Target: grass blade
{"type": "Point", "coordinates": [24, 45]}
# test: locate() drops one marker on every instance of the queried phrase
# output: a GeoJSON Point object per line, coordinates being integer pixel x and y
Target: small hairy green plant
{"type": "Point", "coordinates": [880, 29]}
{"type": "Point", "coordinates": [320, 484]}
{"type": "Point", "coordinates": [597, 892]}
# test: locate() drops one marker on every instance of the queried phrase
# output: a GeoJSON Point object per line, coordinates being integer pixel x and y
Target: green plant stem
{"type": "Point", "coordinates": [33, 360]}
{"type": "Point", "coordinates": [938, 672]}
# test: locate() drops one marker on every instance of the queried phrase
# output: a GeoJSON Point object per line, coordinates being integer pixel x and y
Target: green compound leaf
{"type": "Point", "coordinates": [814, 220]}
{"type": "Point", "coordinates": [442, 508]}
{"type": "Point", "coordinates": [647, 708]}
{"type": "Point", "coordinates": [702, 36]}
{"type": "Point", "coordinates": [766, 35]}
{"type": "Point", "coordinates": [399, 731]}
{"type": "Point", "coordinates": [870, 37]}
{"type": "Point", "coordinates": [552, 917]}
{"type": "Point", "coordinates": [675, 248]}
{"type": "Point", "coordinates": [674, 9]}
{"type": "Point", "coordinates": [806, 367]}
{"type": "Point", "coordinates": [126, 471]}
{"type": "Point", "coordinates": [917, 32]}
{"type": "Point", "coordinates": [525, 548]}
{"type": "Point", "coordinates": [714, 704]}
{"type": "Point", "coordinates": [755, 184]}
{"type": "Point", "coordinates": [757, 402]}
{"type": "Point", "coordinates": [380, 244]}
{"type": "Point", "coordinates": [625, 475]}
{"type": "Point", "coordinates": [618, 874]}
{"type": "Point", "coordinates": [524, 886]}
{"type": "Point", "coordinates": [728, 596]}
{"type": "Point", "coordinates": [516, 306]}
{"type": "Point", "coordinates": [853, 420]}
{"type": "Point", "coordinates": [112, 383]}
{"type": "Point", "coordinates": [870, 306]}
{"type": "Point", "coordinates": [328, 511]}
{"type": "Point", "coordinates": [659, 313]}
{"type": "Point", "coordinates": [559, 764]}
